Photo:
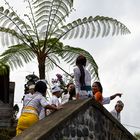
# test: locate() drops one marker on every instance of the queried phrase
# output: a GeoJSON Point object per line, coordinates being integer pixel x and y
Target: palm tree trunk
{"type": "Point", "coordinates": [41, 67]}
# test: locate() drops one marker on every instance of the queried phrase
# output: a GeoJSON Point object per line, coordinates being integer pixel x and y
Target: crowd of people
{"type": "Point", "coordinates": [37, 107]}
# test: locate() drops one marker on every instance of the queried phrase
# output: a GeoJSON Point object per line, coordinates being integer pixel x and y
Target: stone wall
{"type": "Point", "coordinates": [5, 115]}
{"type": "Point", "coordinates": [79, 120]}
{"type": "Point", "coordinates": [6, 109]}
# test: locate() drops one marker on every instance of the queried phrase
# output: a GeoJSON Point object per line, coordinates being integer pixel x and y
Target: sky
{"type": "Point", "coordinates": [117, 57]}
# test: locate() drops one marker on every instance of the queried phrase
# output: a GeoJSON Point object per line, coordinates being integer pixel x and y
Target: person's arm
{"type": "Point", "coordinates": [52, 107]}
{"type": "Point", "coordinates": [47, 105]}
{"type": "Point", "coordinates": [115, 95]}
{"type": "Point", "coordinates": [106, 100]}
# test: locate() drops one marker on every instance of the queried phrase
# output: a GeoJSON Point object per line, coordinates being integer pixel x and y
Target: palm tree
{"type": "Point", "coordinates": [39, 35]}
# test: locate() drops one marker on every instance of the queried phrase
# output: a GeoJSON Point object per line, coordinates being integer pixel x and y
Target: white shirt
{"type": "Point", "coordinates": [54, 101]}
{"type": "Point", "coordinates": [116, 115]}
{"type": "Point", "coordinates": [42, 113]}
{"type": "Point", "coordinates": [36, 100]}
{"type": "Point", "coordinates": [27, 98]}
{"type": "Point", "coordinates": [77, 75]}
{"type": "Point", "coordinates": [106, 100]}
{"type": "Point", "coordinates": [65, 98]}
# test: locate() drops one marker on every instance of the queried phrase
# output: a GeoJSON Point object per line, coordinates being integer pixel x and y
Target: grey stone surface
{"type": "Point", "coordinates": [79, 120]}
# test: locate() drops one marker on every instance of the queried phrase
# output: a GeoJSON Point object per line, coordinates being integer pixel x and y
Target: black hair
{"type": "Point", "coordinates": [16, 108]}
{"type": "Point", "coordinates": [41, 87]}
{"type": "Point", "coordinates": [99, 86]}
{"type": "Point", "coordinates": [80, 62]}
{"type": "Point", "coordinates": [72, 91]}
{"type": "Point", "coordinates": [72, 94]}
{"type": "Point", "coordinates": [71, 83]}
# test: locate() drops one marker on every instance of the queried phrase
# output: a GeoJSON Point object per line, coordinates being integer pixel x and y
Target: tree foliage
{"type": "Point", "coordinates": [40, 34]}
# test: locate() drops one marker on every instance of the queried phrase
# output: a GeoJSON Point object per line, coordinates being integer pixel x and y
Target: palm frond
{"type": "Point", "coordinates": [90, 27]}
{"type": "Point", "coordinates": [17, 55]}
{"type": "Point", "coordinates": [10, 19]}
{"type": "Point", "coordinates": [10, 36]}
{"type": "Point", "coordinates": [15, 36]}
{"type": "Point", "coordinates": [69, 54]}
{"type": "Point", "coordinates": [52, 13]}
{"type": "Point", "coordinates": [44, 27]}
{"type": "Point", "coordinates": [49, 62]}
{"type": "Point", "coordinates": [53, 45]}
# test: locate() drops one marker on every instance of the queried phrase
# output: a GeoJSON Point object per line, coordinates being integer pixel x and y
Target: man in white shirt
{"type": "Point", "coordinates": [118, 108]}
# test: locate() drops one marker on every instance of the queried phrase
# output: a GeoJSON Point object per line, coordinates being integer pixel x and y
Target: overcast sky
{"type": "Point", "coordinates": [118, 57]}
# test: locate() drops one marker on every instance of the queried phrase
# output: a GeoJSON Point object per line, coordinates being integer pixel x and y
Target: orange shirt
{"type": "Point", "coordinates": [98, 96]}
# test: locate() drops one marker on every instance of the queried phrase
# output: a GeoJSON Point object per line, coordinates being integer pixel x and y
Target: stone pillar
{"type": "Point", "coordinates": [4, 83]}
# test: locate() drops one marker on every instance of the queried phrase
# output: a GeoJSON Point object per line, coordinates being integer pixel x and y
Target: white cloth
{"type": "Point", "coordinates": [77, 75]}
{"type": "Point", "coordinates": [56, 88]}
{"type": "Point", "coordinates": [65, 98]}
{"type": "Point", "coordinates": [29, 111]}
{"type": "Point", "coordinates": [116, 115]}
{"type": "Point", "coordinates": [54, 100]}
{"type": "Point", "coordinates": [42, 113]}
{"type": "Point", "coordinates": [106, 100]}
{"type": "Point", "coordinates": [36, 100]}
{"type": "Point", "coordinates": [27, 98]}
{"type": "Point", "coordinates": [31, 86]}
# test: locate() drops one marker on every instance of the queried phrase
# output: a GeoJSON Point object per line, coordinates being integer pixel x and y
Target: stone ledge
{"type": "Point", "coordinates": [44, 128]}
